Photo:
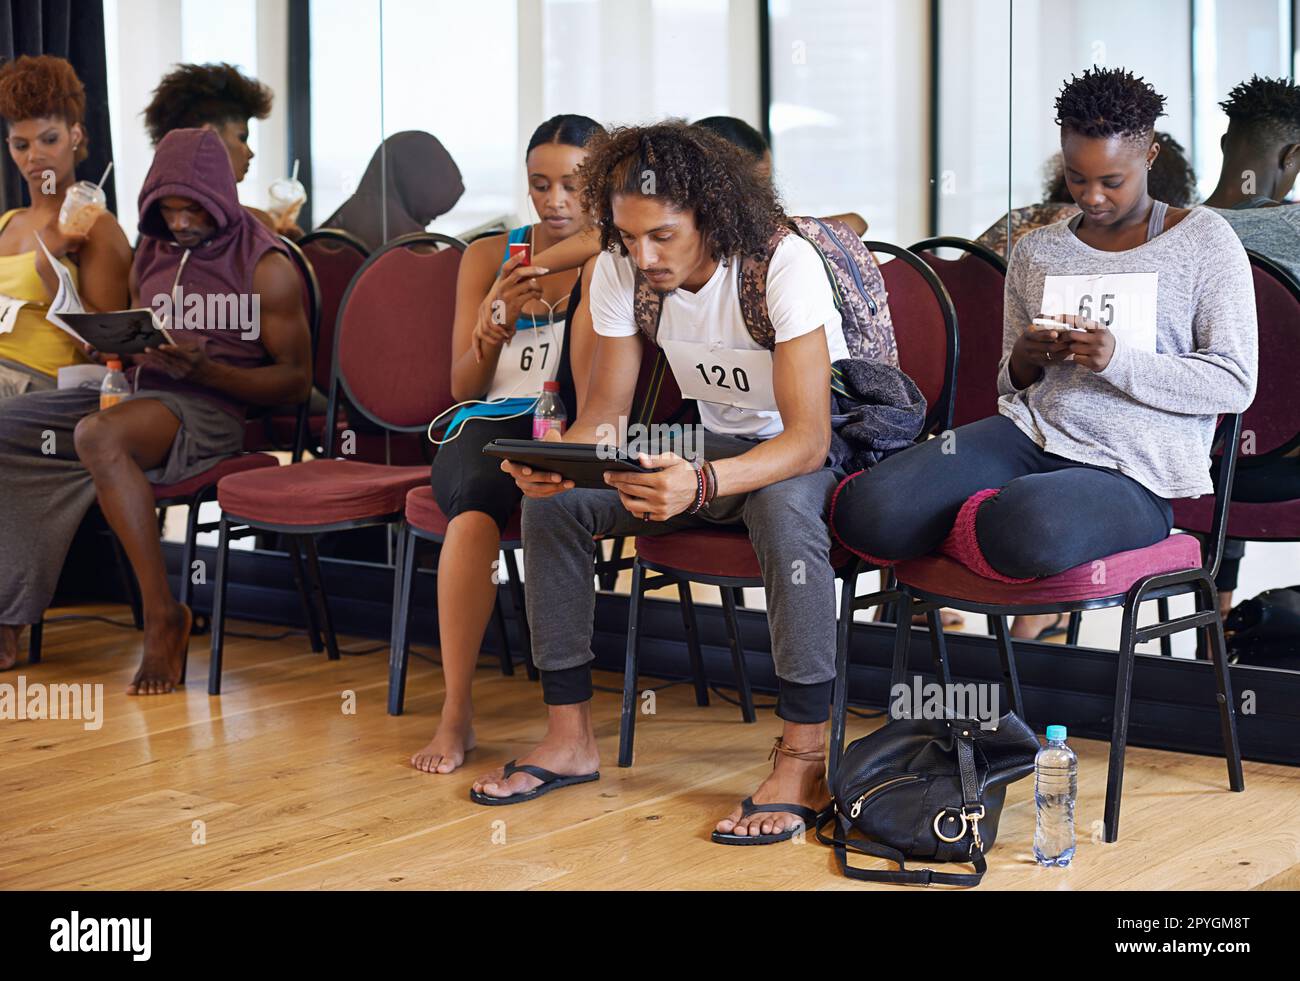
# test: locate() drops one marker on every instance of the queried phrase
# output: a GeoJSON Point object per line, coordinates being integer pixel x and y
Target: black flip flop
{"type": "Point", "coordinates": [550, 781]}
{"type": "Point", "coordinates": [1059, 628]}
{"type": "Point", "coordinates": [748, 807]}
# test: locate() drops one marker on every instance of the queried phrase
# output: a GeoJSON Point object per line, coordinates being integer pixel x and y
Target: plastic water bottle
{"type": "Point", "coordinates": [1056, 776]}
{"type": "Point", "coordinates": [114, 387]}
{"type": "Point", "coordinates": [549, 413]}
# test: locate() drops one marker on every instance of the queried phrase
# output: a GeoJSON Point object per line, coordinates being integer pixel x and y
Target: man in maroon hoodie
{"type": "Point", "coordinates": [202, 259]}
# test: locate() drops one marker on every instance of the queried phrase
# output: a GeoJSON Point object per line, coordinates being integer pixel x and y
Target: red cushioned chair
{"type": "Point", "coordinates": [390, 364]}
{"type": "Point", "coordinates": [925, 327]}
{"type": "Point", "coordinates": [1272, 421]}
{"type": "Point", "coordinates": [976, 282]}
{"type": "Point", "coordinates": [336, 256]}
{"type": "Point", "coordinates": [1169, 568]}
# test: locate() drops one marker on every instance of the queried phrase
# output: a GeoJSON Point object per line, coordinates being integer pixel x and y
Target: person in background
{"type": "Point", "coordinates": [221, 98]}
{"type": "Point", "coordinates": [740, 134]}
{"type": "Point", "coordinates": [1261, 157]}
{"type": "Point", "coordinates": [59, 451]}
{"type": "Point", "coordinates": [1085, 454]}
{"type": "Point", "coordinates": [410, 181]}
{"type": "Point", "coordinates": [1170, 180]}
{"type": "Point", "coordinates": [44, 104]}
{"type": "Point", "coordinates": [544, 335]}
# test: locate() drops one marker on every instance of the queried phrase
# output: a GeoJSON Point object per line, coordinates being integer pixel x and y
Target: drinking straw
{"type": "Point", "coordinates": [107, 171]}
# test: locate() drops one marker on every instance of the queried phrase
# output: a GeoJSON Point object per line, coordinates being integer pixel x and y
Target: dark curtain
{"type": "Point", "coordinates": [72, 29]}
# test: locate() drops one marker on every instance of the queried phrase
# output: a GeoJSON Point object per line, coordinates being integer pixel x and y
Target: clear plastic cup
{"type": "Point", "coordinates": [83, 203]}
{"type": "Point", "coordinates": [287, 196]}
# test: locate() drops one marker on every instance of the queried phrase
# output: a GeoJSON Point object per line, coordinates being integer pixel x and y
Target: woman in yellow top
{"type": "Point", "coordinates": [44, 103]}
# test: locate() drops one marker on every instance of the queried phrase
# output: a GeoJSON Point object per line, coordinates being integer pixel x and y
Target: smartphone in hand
{"type": "Point", "coordinates": [521, 248]}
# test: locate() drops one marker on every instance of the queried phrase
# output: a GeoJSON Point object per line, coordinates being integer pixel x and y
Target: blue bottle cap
{"type": "Point", "coordinates": [1056, 734]}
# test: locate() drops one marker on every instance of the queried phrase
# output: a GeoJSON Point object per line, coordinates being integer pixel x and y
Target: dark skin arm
{"type": "Point", "coordinates": [284, 334]}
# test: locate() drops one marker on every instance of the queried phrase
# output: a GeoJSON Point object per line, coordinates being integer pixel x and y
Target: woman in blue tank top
{"type": "Point", "coordinates": [542, 332]}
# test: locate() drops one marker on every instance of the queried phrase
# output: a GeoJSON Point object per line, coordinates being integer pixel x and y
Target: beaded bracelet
{"type": "Point", "coordinates": [699, 487]}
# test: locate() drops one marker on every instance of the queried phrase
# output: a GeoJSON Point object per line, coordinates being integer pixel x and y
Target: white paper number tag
{"type": "Point", "coordinates": [9, 307]}
{"type": "Point", "coordinates": [722, 375]}
{"type": "Point", "coordinates": [531, 357]}
{"type": "Point", "coordinates": [1123, 303]}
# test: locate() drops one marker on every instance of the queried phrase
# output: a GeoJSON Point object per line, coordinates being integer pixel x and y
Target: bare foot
{"type": "Point", "coordinates": [165, 642]}
{"type": "Point", "coordinates": [792, 781]}
{"type": "Point", "coordinates": [10, 641]}
{"type": "Point", "coordinates": [446, 750]}
{"type": "Point", "coordinates": [1028, 627]}
{"type": "Point", "coordinates": [949, 619]}
{"type": "Point", "coordinates": [563, 756]}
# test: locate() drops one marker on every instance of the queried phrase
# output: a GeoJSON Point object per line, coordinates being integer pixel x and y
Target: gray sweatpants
{"type": "Point", "coordinates": [787, 526]}
{"type": "Point", "coordinates": [45, 490]}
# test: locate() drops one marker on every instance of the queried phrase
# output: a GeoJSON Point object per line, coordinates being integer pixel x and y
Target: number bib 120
{"type": "Point", "coordinates": [1123, 303]}
{"type": "Point", "coordinates": [723, 375]}
{"type": "Point", "coordinates": [531, 358]}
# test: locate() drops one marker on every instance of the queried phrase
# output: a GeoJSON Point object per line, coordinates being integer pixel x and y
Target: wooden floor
{"type": "Point", "coordinates": [294, 794]}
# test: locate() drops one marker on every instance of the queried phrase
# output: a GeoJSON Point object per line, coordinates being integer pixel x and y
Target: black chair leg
{"type": "Point", "coordinates": [504, 657]}
{"type": "Point", "coordinates": [627, 720]}
{"type": "Point", "coordinates": [323, 603]}
{"type": "Point", "coordinates": [739, 594]}
{"type": "Point", "coordinates": [1162, 615]}
{"type": "Point", "coordinates": [399, 653]}
{"type": "Point", "coordinates": [34, 642]}
{"type": "Point", "coordinates": [186, 592]}
{"type": "Point", "coordinates": [1009, 674]}
{"type": "Point", "coordinates": [607, 572]}
{"type": "Point", "coordinates": [692, 630]}
{"type": "Point", "coordinates": [1227, 707]}
{"type": "Point", "coordinates": [294, 548]}
{"type": "Point", "coordinates": [840, 692]}
{"type": "Point", "coordinates": [129, 585]}
{"type": "Point", "coordinates": [219, 608]}
{"type": "Point", "coordinates": [518, 601]}
{"type": "Point", "coordinates": [738, 656]}
{"type": "Point", "coordinates": [902, 641]}
{"type": "Point", "coordinates": [938, 648]}
{"type": "Point", "coordinates": [1119, 727]}
{"type": "Point", "coordinates": [1072, 626]}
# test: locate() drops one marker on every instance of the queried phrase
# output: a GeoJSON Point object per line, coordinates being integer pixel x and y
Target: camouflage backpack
{"type": "Point", "coordinates": [855, 279]}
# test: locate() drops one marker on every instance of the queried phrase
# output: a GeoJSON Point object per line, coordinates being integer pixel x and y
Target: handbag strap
{"type": "Point", "coordinates": [902, 876]}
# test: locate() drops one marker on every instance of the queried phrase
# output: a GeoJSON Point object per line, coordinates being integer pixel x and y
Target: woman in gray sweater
{"type": "Point", "coordinates": [1105, 418]}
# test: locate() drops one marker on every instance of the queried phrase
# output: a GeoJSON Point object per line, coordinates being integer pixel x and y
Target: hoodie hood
{"type": "Point", "coordinates": [190, 163]}
{"type": "Point", "coordinates": [423, 182]}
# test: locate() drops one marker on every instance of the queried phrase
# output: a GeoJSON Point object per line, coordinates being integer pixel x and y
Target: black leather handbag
{"type": "Point", "coordinates": [926, 789]}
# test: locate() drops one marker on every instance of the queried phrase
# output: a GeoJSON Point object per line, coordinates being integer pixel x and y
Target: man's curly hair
{"type": "Point", "coordinates": [40, 87]}
{"type": "Point", "coordinates": [690, 168]}
{"type": "Point", "coordinates": [191, 96]}
{"type": "Point", "coordinates": [1105, 102]}
{"type": "Point", "coordinates": [1268, 108]}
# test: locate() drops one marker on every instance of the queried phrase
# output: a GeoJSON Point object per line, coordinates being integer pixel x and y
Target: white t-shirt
{"type": "Point", "coordinates": [799, 301]}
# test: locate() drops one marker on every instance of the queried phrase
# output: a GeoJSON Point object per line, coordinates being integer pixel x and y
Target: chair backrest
{"type": "Point", "coordinates": [394, 333]}
{"type": "Point", "coordinates": [311, 294]}
{"type": "Point", "coordinates": [925, 328]}
{"type": "Point", "coordinates": [1272, 422]}
{"type": "Point", "coordinates": [336, 256]}
{"type": "Point", "coordinates": [975, 281]}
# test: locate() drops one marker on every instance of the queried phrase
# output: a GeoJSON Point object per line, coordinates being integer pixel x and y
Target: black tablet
{"type": "Point", "coordinates": [583, 463]}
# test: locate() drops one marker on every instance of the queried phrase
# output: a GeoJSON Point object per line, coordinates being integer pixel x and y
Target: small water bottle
{"type": "Point", "coordinates": [113, 388]}
{"type": "Point", "coordinates": [1056, 776]}
{"type": "Point", "coordinates": [549, 413]}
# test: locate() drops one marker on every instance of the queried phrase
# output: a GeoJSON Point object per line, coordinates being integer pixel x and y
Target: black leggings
{"type": "Point", "coordinates": [1264, 480]}
{"type": "Point", "coordinates": [464, 479]}
{"type": "Point", "coordinates": [1051, 514]}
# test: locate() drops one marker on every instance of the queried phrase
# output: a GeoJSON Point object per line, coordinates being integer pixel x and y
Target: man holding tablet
{"type": "Point", "coordinates": [678, 207]}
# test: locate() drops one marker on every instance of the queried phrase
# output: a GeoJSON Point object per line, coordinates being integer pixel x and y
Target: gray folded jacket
{"type": "Point", "coordinates": [876, 410]}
